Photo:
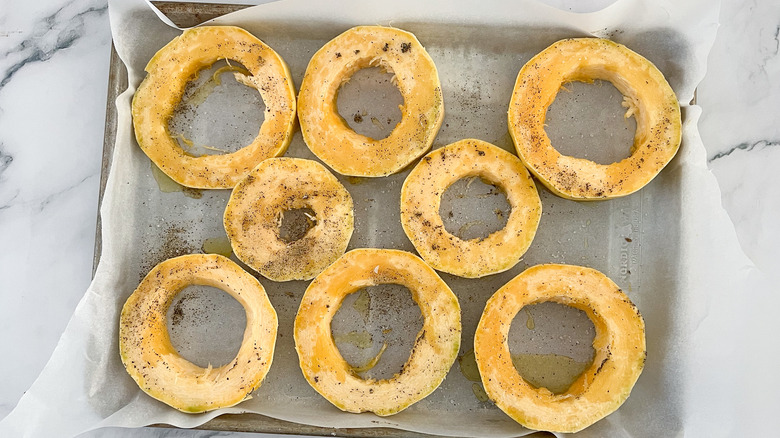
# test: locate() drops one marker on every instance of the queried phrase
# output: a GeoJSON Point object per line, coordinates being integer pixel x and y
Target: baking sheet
{"type": "Point", "coordinates": [649, 243]}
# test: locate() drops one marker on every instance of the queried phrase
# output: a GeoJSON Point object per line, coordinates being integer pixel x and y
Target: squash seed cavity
{"type": "Point", "coordinates": [472, 208]}
{"type": "Point", "coordinates": [551, 345]}
{"type": "Point", "coordinates": [206, 325]}
{"type": "Point", "coordinates": [219, 112]}
{"type": "Point", "coordinates": [375, 329]}
{"type": "Point", "coordinates": [295, 223]}
{"type": "Point", "coordinates": [369, 102]}
{"type": "Point", "coordinates": [591, 121]}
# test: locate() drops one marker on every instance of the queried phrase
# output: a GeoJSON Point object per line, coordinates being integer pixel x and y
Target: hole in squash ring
{"type": "Point", "coordinates": [370, 102]}
{"type": "Point", "coordinates": [551, 345]}
{"type": "Point", "coordinates": [377, 322]}
{"type": "Point", "coordinates": [170, 70]}
{"type": "Point", "coordinates": [619, 345]}
{"type": "Point", "coordinates": [150, 359]}
{"type": "Point", "coordinates": [647, 96]}
{"type": "Point", "coordinates": [254, 213]}
{"type": "Point", "coordinates": [295, 223]}
{"type": "Point", "coordinates": [206, 325]}
{"type": "Point", "coordinates": [323, 128]}
{"type": "Point", "coordinates": [421, 200]}
{"type": "Point", "coordinates": [472, 208]}
{"type": "Point", "coordinates": [589, 121]}
{"type": "Point", "coordinates": [435, 347]}
{"type": "Point", "coordinates": [220, 93]}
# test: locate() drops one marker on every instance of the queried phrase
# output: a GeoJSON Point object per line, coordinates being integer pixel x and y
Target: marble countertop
{"type": "Point", "coordinates": [53, 78]}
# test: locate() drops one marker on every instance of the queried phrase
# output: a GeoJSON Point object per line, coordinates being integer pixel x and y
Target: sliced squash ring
{"type": "Point", "coordinates": [433, 353]}
{"type": "Point", "coordinates": [619, 346]}
{"type": "Point", "coordinates": [421, 198]}
{"type": "Point", "coordinates": [328, 135]}
{"type": "Point", "coordinates": [161, 91]}
{"type": "Point", "coordinates": [647, 96]}
{"type": "Point", "coordinates": [151, 360]}
{"type": "Point", "coordinates": [254, 212]}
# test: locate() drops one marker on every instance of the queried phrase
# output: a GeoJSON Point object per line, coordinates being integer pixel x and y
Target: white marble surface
{"type": "Point", "coordinates": [53, 78]}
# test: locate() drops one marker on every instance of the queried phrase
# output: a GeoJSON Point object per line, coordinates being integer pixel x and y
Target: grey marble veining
{"type": "Point", "coordinates": [53, 33]}
{"type": "Point", "coordinates": [747, 147]}
{"type": "Point", "coordinates": [740, 92]}
{"type": "Point", "coordinates": [53, 65]}
{"type": "Point", "coordinates": [53, 77]}
{"type": "Point", "coordinates": [740, 98]}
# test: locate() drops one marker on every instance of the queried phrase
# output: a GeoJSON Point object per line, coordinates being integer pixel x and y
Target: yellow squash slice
{"type": "Point", "coordinates": [433, 353]}
{"type": "Point", "coordinates": [421, 198]}
{"type": "Point", "coordinates": [647, 96]}
{"type": "Point", "coordinates": [145, 345]}
{"type": "Point", "coordinates": [619, 345]}
{"type": "Point", "coordinates": [161, 91]}
{"type": "Point", "coordinates": [254, 212]}
{"type": "Point", "coordinates": [328, 135]}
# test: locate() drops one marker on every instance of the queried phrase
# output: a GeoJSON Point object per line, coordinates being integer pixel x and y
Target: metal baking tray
{"type": "Point", "coordinates": [626, 241]}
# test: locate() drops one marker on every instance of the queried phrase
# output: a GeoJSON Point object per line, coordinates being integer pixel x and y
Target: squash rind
{"type": "Point", "coordinates": [619, 345]}
{"type": "Point", "coordinates": [421, 197]}
{"type": "Point", "coordinates": [648, 96]}
{"type": "Point", "coordinates": [150, 359]}
{"type": "Point", "coordinates": [434, 351]}
{"type": "Point", "coordinates": [277, 185]}
{"type": "Point", "coordinates": [325, 131]}
{"type": "Point", "coordinates": [173, 66]}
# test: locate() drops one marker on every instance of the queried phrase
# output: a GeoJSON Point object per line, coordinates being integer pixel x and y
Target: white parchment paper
{"type": "Point", "coordinates": [670, 246]}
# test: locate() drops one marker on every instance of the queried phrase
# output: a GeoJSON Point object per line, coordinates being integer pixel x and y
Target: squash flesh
{"type": "Point", "coordinates": [421, 198]}
{"type": "Point", "coordinates": [325, 131]}
{"type": "Point", "coordinates": [170, 70]}
{"type": "Point", "coordinates": [619, 345]}
{"type": "Point", "coordinates": [257, 203]}
{"type": "Point", "coordinates": [647, 96]}
{"type": "Point", "coordinates": [434, 351]}
{"type": "Point", "coordinates": [158, 369]}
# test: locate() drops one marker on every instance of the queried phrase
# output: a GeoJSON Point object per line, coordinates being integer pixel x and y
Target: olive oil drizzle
{"type": "Point", "coordinates": [552, 371]}
{"type": "Point", "coordinates": [217, 245]}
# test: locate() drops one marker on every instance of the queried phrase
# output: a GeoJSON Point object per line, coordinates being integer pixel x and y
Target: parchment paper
{"type": "Point", "coordinates": [671, 246]}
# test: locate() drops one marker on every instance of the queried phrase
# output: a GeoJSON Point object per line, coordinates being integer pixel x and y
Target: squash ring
{"type": "Point", "coordinates": [433, 353]}
{"type": "Point", "coordinates": [421, 198]}
{"type": "Point", "coordinates": [161, 91]}
{"type": "Point", "coordinates": [647, 96]}
{"type": "Point", "coordinates": [255, 208]}
{"type": "Point", "coordinates": [151, 360]}
{"type": "Point", "coordinates": [325, 131]}
{"type": "Point", "coordinates": [619, 344]}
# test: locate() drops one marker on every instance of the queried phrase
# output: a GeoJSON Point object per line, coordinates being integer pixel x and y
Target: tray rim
{"type": "Point", "coordinates": [190, 14]}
